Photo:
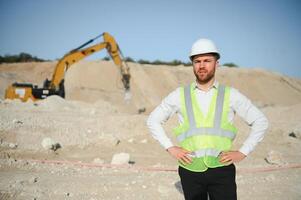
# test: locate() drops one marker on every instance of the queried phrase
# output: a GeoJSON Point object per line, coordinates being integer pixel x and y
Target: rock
{"type": "Point", "coordinates": [131, 140]}
{"type": "Point", "coordinates": [8, 145]}
{"type": "Point", "coordinates": [12, 145]}
{"type": "Point", "coordinates": [33, 180]}
{"type": "Point", "coordinates": [11, 161]}
{"type": "Point", "coordinates": [118, 142]}
{"type": "Point", "coordinates": [295, 133]}
{"type": "Point", "coordinates": [292, 134]}
{"type": "Point", "coordinates": [15, 121]}
{"type": "Point", "coordinates": [131, 162]}
{"type": "Point", "coordinates": [144, 141]}
{"type": "Point", "coordinates": [120, 159]}
{"type": "Point", "coordinates": [68, 194]}
{"type": "Point", "coordinates": [50, 144]}
{"type": "Point", "coordinates": [274, 158]}
{"type": "Point", "coordinates": [141, 110]}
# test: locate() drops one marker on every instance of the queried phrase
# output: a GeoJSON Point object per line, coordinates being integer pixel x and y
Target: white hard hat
{"type": "Point", "coordinates": [203, 46]}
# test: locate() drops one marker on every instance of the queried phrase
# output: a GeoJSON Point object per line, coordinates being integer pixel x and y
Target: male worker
{"type": "Point", "coordinates": [206, 110]}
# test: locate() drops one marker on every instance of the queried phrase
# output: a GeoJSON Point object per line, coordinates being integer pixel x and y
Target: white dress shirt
{"type": "Point", "coordinates": [238, 104]}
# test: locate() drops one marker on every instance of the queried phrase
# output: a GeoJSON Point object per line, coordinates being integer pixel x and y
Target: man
{"type": "Point", "coordinates": [206, 110]}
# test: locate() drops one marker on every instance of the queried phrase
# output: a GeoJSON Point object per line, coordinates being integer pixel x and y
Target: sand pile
{"type": "Point", "coordinates": [100, 81]}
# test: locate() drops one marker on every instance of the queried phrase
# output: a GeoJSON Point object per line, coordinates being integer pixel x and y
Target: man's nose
{"type": "Point", "coordinates": [202, 64]}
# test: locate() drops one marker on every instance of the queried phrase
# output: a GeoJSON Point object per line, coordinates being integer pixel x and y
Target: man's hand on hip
{"type": "Point", "coordinates": [231, 157]}
{"type": "Point", "coordinates": [180, 154]}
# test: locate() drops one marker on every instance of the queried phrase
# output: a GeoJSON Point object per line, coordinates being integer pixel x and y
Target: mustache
{"type": "Point", "coordinates": [202, 70]}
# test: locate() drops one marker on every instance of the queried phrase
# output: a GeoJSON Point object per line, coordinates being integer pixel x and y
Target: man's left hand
{"type": "Point", "coordinates": [231, 157]}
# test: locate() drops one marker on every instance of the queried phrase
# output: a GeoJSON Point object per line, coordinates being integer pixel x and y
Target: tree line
{"type": "Point", "coordinates": [21, 57]}
{"type": "Point", "coordinates": [26, 57]}
{"type": "Point", "coordinates": [171, 63]}
{"type": "Point", "coordinates": [174, 62]}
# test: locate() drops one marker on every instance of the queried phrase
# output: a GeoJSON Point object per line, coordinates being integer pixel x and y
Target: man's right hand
{"type": "Point", "coordinates": [180, 154]}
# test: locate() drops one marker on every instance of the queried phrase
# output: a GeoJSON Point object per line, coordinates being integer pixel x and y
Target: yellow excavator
{"type": "Point", "coordinates": [55, 86]}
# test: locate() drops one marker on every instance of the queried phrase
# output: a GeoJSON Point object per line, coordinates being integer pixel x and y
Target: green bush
{"type": "Point", "coordinates": [187, 64]}
{"type": "Point", "coordinates": [230, 65]}
{"type": "Point", "coordinates": [129, 59]}
{"type": "Point", "coordinates": [160, 62]}
{"type": "Point", "coordinates": [106, 58]}
{"type": "Point", "coordinates": [22, 57]}
{"type": "Point", "coordinates": [174, 62]}
{"type": "Point", "coordinates": [141, 61]}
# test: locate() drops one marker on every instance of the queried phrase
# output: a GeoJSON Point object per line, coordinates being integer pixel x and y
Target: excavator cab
{"type": "Point", "coordinates": [25, 91]}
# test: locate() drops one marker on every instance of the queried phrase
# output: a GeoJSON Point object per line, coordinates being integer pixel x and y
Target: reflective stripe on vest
{"type": "Point", "coordinates": [216, 130]}
{"type": "Point", "coordinates": [205, 152]}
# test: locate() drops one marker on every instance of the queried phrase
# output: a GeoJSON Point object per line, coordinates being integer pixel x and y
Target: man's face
{"type": "Point", "coordinates": [204, 67]}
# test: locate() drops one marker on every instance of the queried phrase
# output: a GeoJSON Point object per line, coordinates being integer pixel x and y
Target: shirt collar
{"type": "Point", "coordinates": [215, 85]}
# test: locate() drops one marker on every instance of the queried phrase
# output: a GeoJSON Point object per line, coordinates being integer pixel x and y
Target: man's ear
{"type": "Point", "coordinates": [217, 64]}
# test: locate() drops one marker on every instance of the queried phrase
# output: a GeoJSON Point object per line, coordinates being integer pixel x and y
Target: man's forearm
{"type": "Point", "coordinates": [258, 129]}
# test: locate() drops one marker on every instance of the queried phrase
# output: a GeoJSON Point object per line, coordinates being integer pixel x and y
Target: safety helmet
{"type": "Point", "coordinates": [203, 46]}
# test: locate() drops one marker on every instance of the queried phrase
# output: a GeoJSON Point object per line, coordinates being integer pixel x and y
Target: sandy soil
{"type": "Point", "coordinates": [94, 123]}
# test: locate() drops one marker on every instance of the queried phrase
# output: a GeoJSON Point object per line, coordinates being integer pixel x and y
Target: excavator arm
{"type": "Point", "coordinates": [69, 59]}
{"type": "Point", "coordinates": [79, 54]}
{"type": "Point", "coordinates": [56, 85]}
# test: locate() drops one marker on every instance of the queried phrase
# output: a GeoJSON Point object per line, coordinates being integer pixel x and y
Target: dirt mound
{"type": "Point", "coordinates": [101, 81]}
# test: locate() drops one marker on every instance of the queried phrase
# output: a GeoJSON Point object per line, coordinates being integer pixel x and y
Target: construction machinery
{"type": "Point", "coordinates": [55, 86]}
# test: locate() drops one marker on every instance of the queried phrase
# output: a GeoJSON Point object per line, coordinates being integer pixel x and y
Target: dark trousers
{"type": "Point", "coordinates": [217, 183]}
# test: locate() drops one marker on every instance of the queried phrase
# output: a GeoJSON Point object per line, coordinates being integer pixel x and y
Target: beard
{"type": "Point", "coordinates": [204, 76]}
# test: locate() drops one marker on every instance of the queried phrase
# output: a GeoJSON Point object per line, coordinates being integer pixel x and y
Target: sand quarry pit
{"type": "Point", "coordinates": [63, 148]}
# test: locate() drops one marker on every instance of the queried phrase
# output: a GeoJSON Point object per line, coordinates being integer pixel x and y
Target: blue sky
{"type": "Point", "coordinates": [258, 33]}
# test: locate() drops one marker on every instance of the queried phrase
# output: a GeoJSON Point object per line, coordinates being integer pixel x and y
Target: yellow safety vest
{"type": "Point", "coordinates": [206, 136]}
